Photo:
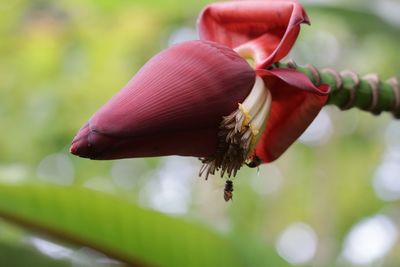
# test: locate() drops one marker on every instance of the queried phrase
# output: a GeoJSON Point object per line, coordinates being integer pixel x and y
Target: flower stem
{"type": "Point", "coordinates": [349, 90]}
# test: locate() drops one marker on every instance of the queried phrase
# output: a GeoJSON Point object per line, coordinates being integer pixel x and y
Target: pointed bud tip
{"type": "Point", "coordinates": [80, 145]}
{"type": "Point", "coordinates": [73, 149]}
{"type": "Point", "coordinates": [81, 148]}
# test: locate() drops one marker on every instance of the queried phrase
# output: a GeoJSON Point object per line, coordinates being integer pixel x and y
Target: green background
{"type": "Point", "coordinates": [331, 200]}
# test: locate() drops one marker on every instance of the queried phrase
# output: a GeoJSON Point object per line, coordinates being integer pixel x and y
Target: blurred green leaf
{"type": "Point", "coordinates": [114, 227]}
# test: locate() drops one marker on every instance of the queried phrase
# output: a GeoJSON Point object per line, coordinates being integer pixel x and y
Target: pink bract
{"type": "Point", "coordinates": [172, 106]}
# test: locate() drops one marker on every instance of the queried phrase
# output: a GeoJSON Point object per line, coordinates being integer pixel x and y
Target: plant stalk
{"type": "Point", "coordinates": [349, 90]}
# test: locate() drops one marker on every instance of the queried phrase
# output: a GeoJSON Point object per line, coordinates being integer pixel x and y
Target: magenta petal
{"type": "Point", "coordinates": [296, 79]}
{"type": "Point", "coordinates": [265, 29]}
{"type": "Point", "coordinates": [295, 104]}
{"type": "Point", "coordinates": [172, 106]}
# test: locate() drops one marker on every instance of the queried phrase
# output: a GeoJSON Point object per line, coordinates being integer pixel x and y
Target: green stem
{"type": "Point", "coordinates": [348, 90]}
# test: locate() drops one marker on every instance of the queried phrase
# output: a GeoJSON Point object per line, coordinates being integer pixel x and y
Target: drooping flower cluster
{"type": "Point", "coordinates": [217, 98]}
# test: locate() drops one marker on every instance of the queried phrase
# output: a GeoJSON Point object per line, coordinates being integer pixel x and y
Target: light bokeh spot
{"type": "Point", "coordinates": [388, 10]}
{"type": "Point", "coordinates": [267, 180]}
{"type": "Point", "coordinates": [56, 168]}
{"type": "Point", "coordinates": [13, 173]}
{"type": "Point", "coordinates": [392, 134]}
{"type": "Point", "coordinates": [181, 35]}
{"type": "Point", "coordinates": [126, 173]}
{"type": "Point", "coordinates": [169, 190]}
{"type": "Point", "coordinates": [319, 131]}
{"type": "Point", "coordinates": [297, 244]}
{"type": "Point", "coordinates": [50, 249]}
{"type": "Point", "coordinates": [370, 240]}
{"type": "Point", "coordinates": [386, 181]}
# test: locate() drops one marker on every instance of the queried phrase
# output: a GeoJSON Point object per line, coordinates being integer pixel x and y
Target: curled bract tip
{"type": "Point", "coordinates": [265, 30]}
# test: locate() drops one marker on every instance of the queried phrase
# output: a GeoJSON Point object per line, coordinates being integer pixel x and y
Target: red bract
{"type": "Point", "coordinates": [172, 106]}
{"type": "Point", "coordinates": [176, 103]}
{"type": "Point", "coordinates": [263, 29]}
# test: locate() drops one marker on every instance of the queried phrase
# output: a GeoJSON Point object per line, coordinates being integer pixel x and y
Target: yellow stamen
{"type": "Point", "coordinates": [240, 132]}
{"type": "Point", "coordinates": [247, 116]}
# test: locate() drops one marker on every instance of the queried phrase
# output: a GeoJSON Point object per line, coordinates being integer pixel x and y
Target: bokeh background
{"type": "Point", "coordinates": [332, 200]}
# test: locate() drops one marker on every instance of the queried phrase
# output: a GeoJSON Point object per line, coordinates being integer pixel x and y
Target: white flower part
{"type": "Point", "coordinates": [251, 52]}
{"type": "Point", "coordinates": [239, 132]}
